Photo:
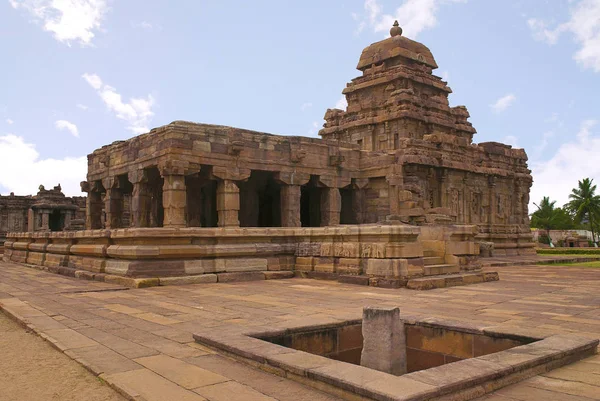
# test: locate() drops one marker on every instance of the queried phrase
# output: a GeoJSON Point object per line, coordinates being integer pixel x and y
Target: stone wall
{"type": "Point", "coordinates": [374, 252]}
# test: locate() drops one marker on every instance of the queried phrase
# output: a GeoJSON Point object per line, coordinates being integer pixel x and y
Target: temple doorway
{"type": "Point", "coordinates": [55, 221]}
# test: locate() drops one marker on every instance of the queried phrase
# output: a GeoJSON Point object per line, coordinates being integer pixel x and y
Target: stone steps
{"type": "Point", "coordinates": [431, 270]}
{"type": "Point", "coordinates": [450, 280]}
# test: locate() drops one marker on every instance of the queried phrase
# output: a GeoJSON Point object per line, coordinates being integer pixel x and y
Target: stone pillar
{"type": "Point", "coordinates": [174, 200]}
{"type": "Point", "coordinates": [140, 199]}
{"type": "Point", "coordinates": [384, 340]}
{"type": "Point", "coordinates": [331, 205]}
{"type": "Point", "coordinates": [291, 183]}
{"type": "Point", "coordinates": [228, 193]}
{"type": "Point", "coordinates": [228, 203]}
{"type": "Point", "coordinates": [45, 220]}
{"type": "Point", "coordinates": [290, 206]}
{"type": "Point", "coordinates": [93, 212]}
{"type": "Point", "coordinates": [113, 202]}
{"type": "Point", "coordinates": [67, 220]}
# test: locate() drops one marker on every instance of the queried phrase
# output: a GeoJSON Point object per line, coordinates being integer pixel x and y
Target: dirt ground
{"type": "Point", "coordinates": [30, 369]}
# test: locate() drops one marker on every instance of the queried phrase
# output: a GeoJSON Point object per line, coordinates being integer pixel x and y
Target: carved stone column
{"type": "Point", "coordinates": [174, 196]}
{"type": "Point", "coordinates": [113, 202]}
{"type": "Point", "coordinates": [331, 206]}
{"type": "Point", "coordinates": [141, 205]}
{"type": "Point", "coordinates": [228, 194]}
{"type": "Point", "coordinates": [228, 203]}
{"type": "Point", "coordinates": [290, 206]}
{"type": "Point", "coordinates": [174, 200]}
{"type": "Point", "coordinates": [45, 220]}
{"type": "Point", "coordinates": [290, 197]}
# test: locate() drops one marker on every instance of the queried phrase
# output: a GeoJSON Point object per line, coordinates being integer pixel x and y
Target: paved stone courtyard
{"type": "Point", "coordinates": [140, 341]}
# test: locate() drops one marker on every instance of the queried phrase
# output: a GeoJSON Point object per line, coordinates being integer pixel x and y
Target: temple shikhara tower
{"type": "Point", "coordinates": [398, 111]}
{"type": "Point", "coordinates": [395, 193]}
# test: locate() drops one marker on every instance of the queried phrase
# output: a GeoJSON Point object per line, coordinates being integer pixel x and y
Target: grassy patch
{"type": "Point", "coordinates": [569, 251]}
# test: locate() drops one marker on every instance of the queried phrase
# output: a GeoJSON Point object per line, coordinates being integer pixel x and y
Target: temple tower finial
{"type": "Point", "coordinates": [396, 30]}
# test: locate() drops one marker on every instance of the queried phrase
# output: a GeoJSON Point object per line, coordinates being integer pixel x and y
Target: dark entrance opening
{"type": "Point", "coordinates": [260, 201]}
{"type": "Point", "coordinates": [56, 221]}
{"type": "Point", "coordinates": [310, 203]}
{"type": "Point", "coordinates": [201, 199]}
{"type": "Point", "coordinates": [348, 212]}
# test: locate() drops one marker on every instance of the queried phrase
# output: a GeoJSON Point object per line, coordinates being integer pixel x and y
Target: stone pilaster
{"type": "Point", "coordinates": [444, 189]}
{"type": "Point", "coordinates": [228, 203]}
{"type": "Point", "coordinates": [331, 205]}
{"type": "Point", "coordinates": [493, 201]}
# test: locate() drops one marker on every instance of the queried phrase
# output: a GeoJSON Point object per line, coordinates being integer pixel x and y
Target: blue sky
{"type": "Point", "coordinates": [79, 74]}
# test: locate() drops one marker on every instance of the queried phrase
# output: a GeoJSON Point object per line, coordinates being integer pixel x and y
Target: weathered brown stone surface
{"type": "Point", "coordinates": [378, 255]}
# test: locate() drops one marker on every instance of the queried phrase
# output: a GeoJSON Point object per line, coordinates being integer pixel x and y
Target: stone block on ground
{"type": "Point", "coordinates": [384, 340]}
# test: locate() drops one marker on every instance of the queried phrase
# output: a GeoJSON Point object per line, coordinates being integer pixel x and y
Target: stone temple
{"type": "Point", "coordinates": [394, 193]}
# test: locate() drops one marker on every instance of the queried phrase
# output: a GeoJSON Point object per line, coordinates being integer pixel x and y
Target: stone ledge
{"type": "Point", "coordinates": [466, 379]}
{"type": "Point", "coordinates": [451, 280]}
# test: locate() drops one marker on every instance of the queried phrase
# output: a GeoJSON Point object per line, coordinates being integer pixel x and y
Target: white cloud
{"type": "Point", "coordinates": [414, 16]}
{"type": "Point", "coordinates": [69, 126]}
{"type": "Point", "coordinates": [305, 106]}
{"type": "Point", "coordinates": [9, 121]}
{"type": "Point", "coordinates": [572, 161]}
{"type": "Point", "coordinates": [67, 20]}
{"type": "Point", "coordinates": [82, 106]}
{"type": "Point", "coordinates": [503, 103]}
{"type": "Point", "coordinates": [93, 79]}
{"type": "Point", "coordinates": [342, 104]}
{"type": "Point", "coordinates": [584, 25]}
{"type": "Point", "coordinates": [18, 155]}
{"type": "Point", "coordinates": [137, 112]}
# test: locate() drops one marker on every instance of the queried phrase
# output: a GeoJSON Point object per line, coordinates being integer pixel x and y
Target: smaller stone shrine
{"type": "Point", "coordinates": [49, 210]}
{"type": "Point", "coordinates": [53, 211]}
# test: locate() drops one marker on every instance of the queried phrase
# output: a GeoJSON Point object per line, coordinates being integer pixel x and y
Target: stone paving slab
{"type": "Point", "coordinates": [156, 324]}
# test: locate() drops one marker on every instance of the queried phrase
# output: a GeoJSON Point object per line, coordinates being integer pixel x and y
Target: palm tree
{"type": "Point", "coordinates": [550, 217]}
{"type": "Point", "coordinates": [585, 204]}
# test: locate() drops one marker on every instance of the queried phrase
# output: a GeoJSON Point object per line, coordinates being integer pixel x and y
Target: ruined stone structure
{"type": "Point", "coordinates": [49, 210]}
{"type": "Point", "coordinates": [398, 168]}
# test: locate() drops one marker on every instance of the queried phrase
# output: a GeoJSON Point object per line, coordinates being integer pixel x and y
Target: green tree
{"type": "Point", "coordinates": [585, 204]}
{"type": "Point", "coordinates": [550, 217]}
